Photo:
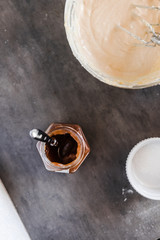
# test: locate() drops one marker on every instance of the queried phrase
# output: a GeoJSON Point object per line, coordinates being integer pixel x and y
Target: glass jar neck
{"type": "Point", "coordinates": [80, 149]}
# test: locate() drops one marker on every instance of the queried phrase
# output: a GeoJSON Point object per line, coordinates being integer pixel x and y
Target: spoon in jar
{"type": "Point", "coordinates": [43, 137]}
{"type": "Point", "coordinates": [62, 149]}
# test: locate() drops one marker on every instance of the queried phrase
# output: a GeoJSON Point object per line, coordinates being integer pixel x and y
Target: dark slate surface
{"type": "Point", "coordinates": [40, 83]}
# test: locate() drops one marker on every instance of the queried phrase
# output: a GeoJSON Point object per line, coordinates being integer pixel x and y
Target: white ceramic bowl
{"type": "Point", "coordinates": [143, 168]}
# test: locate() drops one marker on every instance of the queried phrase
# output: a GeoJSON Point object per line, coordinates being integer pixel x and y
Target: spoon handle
{"type": "Point", "coordinates": [43, 137]}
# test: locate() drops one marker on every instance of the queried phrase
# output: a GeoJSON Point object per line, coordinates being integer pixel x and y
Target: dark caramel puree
{"type": "Point", "coordinates": [65, 152]}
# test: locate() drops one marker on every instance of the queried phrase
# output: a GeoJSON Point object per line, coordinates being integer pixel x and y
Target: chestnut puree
{"type": "Point", "coordinates": [65, 152]}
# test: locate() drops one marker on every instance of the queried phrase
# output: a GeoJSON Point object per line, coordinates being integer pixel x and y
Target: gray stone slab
{"type": "Point", "coordinates": [40, 83]}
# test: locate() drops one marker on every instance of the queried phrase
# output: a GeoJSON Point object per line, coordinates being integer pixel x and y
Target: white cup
{"type": "Point", "coordinates": [143, 168]}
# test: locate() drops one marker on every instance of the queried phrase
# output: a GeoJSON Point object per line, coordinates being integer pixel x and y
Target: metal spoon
{"type": "Point", "coordinates": [43, 137]}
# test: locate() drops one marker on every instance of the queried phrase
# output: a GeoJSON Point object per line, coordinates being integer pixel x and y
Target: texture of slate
{"type": "Point", "coordinates": [40, 83]}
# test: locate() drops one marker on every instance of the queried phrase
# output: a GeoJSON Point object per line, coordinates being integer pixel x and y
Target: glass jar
{"type": "Point", "coordinates": [83, 148]}
{"type": "Point", "coordinates": [70, 19]}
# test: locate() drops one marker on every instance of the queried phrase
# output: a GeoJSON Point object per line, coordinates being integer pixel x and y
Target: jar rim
{"type": "Point", "coordinates": [74, 163]}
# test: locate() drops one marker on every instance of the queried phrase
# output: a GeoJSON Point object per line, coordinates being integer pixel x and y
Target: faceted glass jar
{"type": "Point", "coordinates": [83, 148]}
{"type": "Point", "coordinates": [70, 20]}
